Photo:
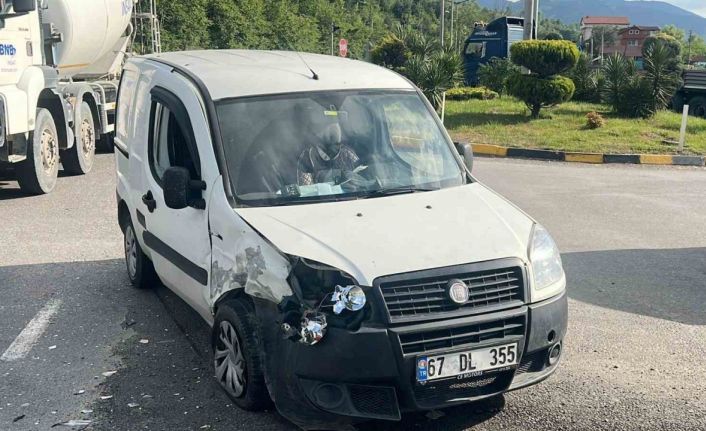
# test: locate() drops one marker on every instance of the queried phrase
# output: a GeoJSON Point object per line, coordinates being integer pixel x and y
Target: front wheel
{"type": "Point", "coordinates": [37, 174]}
{"type": "Point", "coordinates": [79, 159]}
{"type": "Point", "coordinates": [697, 107]}
{"type": "Point", "coordinates": [237, 355]}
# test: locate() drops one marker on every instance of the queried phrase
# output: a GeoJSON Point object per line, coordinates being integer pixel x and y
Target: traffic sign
{"type": "Point", "coordinates": [343, 48]}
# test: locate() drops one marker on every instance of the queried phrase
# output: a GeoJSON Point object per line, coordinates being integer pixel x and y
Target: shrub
{"type": "Point", "coordinates": [538, 92]}
{"type": "Point", "coordinates": [661, 73]}
{"type": "Point", "coordinates": [435, 75]}
{"type": "Point", "coordinates": [545, 57]}
{"type": "Point", "coordinates": [391, 52]}
{"type": "Point", "coordinates": [617, 70]}
{"type": "Point", "coordinates": [471, 93]}
{"type": "Point", "coordinates": [594, 120]}
{"type": "Point", "coordinates": [588, 81]}
{"type": "Point", "coordinates": [634, 95]}
{"type": "Point", "coordinates": [671, 43]}
{"type": "Point", "coordinates": [635, 100]}
{"type": "Point", "coordinates": [495, 73]}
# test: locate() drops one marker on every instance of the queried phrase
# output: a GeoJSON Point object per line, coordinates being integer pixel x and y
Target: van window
{"type": "Point", "coordinates": [315, 147]}
{"type": "Point", "coordinates": [126, 98]}
{"type": "Point", "coordinates": [169, 144]}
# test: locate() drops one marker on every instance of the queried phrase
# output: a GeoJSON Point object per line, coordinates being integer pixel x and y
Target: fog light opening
{"type": "Point", "coordinates": [551, 336]}
{"type": "Point", "coordinates": [329, 396]}
{"type": "Point", "coordinates": [554, 354]}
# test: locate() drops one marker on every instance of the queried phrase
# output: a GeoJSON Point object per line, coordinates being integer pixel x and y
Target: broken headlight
{"type": "Point", "coordinates": [351, 298]}
{"type": "Point", "coordinates": [324, 297]}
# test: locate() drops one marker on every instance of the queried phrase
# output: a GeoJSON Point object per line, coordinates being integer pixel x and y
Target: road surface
{"type": "Point", "coordinates": [634, 246]}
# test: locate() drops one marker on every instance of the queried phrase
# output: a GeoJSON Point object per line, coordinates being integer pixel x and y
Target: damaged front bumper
{"type": "Point", "coordinates": [370, 373]}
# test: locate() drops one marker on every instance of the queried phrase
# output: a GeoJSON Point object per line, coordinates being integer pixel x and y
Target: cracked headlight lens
{"type": "Point", "coordinates": [547, 269]}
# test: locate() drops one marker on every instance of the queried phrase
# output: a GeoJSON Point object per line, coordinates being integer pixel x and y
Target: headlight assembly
{"type": "Point", "coordinates": [548, 277]}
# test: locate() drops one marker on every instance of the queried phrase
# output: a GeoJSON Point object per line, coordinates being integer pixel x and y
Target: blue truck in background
{"type": "Point", "coordinates": [488, 41]}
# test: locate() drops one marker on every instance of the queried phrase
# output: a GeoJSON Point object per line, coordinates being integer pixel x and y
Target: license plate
{"type": "Point", "coordinates": [473, 362]}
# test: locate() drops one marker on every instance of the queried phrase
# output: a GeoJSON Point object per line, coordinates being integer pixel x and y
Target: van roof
{"type": "Point", "coordinates": [239, 73]}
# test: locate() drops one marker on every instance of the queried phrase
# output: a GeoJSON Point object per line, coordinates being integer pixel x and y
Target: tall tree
{"type": "Point", "coordinates": [186, 24]}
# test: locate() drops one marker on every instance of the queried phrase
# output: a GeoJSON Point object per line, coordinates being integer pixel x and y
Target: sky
{"type": "Point", "coordinates": [696, 6]}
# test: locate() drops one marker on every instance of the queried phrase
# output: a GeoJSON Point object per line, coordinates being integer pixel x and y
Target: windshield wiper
{"type": "Point", "coordinates": [399, 191]}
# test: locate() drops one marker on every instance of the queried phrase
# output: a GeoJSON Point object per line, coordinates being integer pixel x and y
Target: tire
{"type": "Point", "coordinates": [139, 267]}
{"type": "Point", "coordinates": [697, 107]}
{"type": "Point", "coordinates": [236, 346]}
{"type": "Point", "coordinates": [38, 173]}
{"type": "Point", "coordinates": [79, 159]}
{"type": "Point", "coordinates": [105, 144]}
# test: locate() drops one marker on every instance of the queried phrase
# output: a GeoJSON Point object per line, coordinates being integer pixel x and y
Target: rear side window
{"type": "Point", "coordinates": [126, 98]}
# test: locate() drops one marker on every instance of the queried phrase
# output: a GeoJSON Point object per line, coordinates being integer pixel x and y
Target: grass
{"type": "Point", "coordinates": [506, 122]}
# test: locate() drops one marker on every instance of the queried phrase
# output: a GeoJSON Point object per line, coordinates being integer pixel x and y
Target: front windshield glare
{"type": "Point", "coordinates": [335, 145]}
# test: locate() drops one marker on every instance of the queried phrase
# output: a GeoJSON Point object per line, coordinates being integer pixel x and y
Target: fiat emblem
{"type": "Point", "coordinates": [458, 292]}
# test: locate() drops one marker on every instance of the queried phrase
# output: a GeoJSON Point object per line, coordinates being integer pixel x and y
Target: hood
{"type": "Point", "coordinates": [370, 238]}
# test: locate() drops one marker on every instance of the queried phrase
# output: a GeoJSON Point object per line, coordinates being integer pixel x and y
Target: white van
{"type": "Point", "coordinates": [314, 211]}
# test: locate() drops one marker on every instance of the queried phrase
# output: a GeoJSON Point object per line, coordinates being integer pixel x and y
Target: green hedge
{"type": "Point", "coordinates": [468, 93]}
{"type": "Point", "coordinates": [545, 57]}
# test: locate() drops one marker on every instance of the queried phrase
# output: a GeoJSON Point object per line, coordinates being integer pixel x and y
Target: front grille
{"type": "Point", "coordinates": [533, 362]}
{"type": "Point", "coordinates": [467, 335]}
{"type": "Point", "coordinates": [375, 401]}
{"type": "Point", "coordinates": [437, 393]}
{"type": "Point", "coordinates": [418, 299]}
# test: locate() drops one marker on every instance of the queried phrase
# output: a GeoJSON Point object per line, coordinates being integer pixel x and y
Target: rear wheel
{"type": "Point", "coordinates": [139, 267]}
{"type": "Point", "coordinates": [697, 107]}
{"type": "Point", "coordinates": [37, 174]}
{"type": "Point", "coordinates": [79, 158]}
{"type": "Point", "coordinates": [237, 356]}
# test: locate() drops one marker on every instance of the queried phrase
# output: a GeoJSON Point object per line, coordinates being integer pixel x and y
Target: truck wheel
{"type": "Point", "coordinates": [105, 144]}
{"type": "Point", "coordinates": [139, 267]}
{"type": "Point", "coordinates": [237, 356]}
{"type": "Point", "coordinates": [38, 173]}
{"type": "Point", "coordinates": [697, 107]}
{"type": "Point", "coordinates": [79, 159]}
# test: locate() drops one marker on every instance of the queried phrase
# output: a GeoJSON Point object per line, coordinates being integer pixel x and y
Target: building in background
{"type": "Point", "coordinates": [589, 24]}
{"type": "Point", "coordinates": [631, 41]}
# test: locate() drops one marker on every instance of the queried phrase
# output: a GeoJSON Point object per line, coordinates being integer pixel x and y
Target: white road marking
{"type": "Point", "coordinates": [29, 336]}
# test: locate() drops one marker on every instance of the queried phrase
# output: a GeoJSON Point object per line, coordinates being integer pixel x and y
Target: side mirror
{"type": "Point", "coordinates": [466, 151]}
{"type": "Point", "coordinates": [24, 6]}
{"type": "Point", "coordinates": [180, 191]}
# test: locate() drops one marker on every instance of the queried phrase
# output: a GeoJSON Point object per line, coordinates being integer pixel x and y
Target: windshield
{"type": "Point", "coordinates": [315, 147]}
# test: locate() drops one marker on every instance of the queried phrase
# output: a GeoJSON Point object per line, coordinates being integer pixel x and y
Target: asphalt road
{"type": "Point", "coordinates": [634, 246]}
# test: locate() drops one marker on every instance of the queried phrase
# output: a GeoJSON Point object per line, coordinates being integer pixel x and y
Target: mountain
{"type": "Point", "coordinates": [640, 12]}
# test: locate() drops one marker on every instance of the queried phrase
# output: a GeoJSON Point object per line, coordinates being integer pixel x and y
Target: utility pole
{"type": "Point", "coordinates": [688, 52]}
{"type": "Point", "coordinates": [453, 35]}
{"type": "Point", "coordinates": [443, 19]}
{"type": "Point", "coordinates": [531, 19]}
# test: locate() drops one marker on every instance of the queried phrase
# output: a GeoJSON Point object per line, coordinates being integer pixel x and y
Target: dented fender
{"type": "Point", "coordinates": [241, 258]}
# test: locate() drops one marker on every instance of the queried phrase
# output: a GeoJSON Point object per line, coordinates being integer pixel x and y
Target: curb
{"type": "Point", "coordinates": [594, 158]}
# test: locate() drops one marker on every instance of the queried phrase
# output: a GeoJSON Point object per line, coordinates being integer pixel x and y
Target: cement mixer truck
{"type": "Point", "coordinates": [59, 65]}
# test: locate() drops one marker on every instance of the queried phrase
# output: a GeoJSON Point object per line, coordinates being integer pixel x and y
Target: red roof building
{"type": "Point", "coordinates": [631, 40]}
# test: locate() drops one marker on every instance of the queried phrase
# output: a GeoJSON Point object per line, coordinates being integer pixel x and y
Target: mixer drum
{"type": "Point", "coordinates": [90, 28]}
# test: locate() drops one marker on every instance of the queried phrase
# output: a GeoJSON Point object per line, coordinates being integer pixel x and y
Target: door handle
{"type": "Point", "coordinates": [149, 201]}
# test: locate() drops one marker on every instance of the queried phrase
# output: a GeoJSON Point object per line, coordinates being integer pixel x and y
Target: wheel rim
{"type": "Point", "coordinates": [88, 138]}
{"type": "Point", "coordinates": [49, 151]}
{"type": "Point", "coordinates": [229, 360]}
{"type": "Point", "coordinates": [131, 252]}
